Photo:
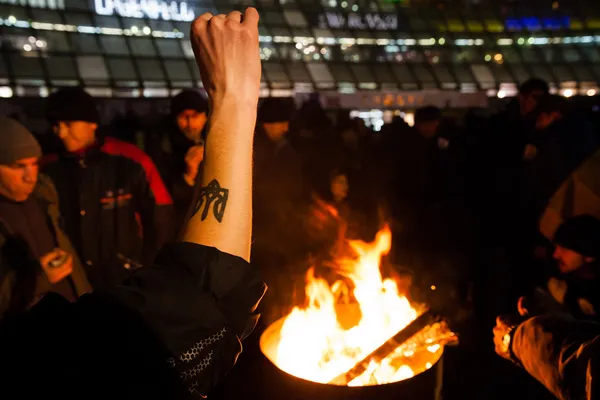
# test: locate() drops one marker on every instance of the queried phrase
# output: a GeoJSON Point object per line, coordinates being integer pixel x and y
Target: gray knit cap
{"type": "Point", "coordinates": [16, 142]}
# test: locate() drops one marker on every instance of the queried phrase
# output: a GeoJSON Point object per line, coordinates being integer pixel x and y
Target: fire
{"type": "Point", "coordinates": [316, 342]}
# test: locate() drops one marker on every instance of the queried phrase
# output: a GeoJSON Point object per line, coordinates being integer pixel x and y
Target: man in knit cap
{"type": "Point", "coordinates": [177, 148]}
{"type": "Point", "coordinates": [36, 257]}
{"type": "Point", "coordinates": [115, 206]}
{"type": "Point", "coordinates": [577, 251]}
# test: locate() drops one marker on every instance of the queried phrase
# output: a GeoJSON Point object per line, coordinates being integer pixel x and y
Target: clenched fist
{"type": "Point", "coordinates": [227, 53]}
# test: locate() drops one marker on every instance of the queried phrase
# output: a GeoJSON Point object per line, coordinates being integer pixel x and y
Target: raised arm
{"type": "Point", "coordinates": [227, 54]}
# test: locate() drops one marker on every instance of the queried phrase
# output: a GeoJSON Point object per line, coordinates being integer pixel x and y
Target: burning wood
{"type": "Point", "coordinates": [358, 344]}
{"type": "Point", "coordinates": [383, 351]}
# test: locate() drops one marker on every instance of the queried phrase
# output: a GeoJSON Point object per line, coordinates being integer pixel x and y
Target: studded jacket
{"type": "Point", "coordinates": [171, 331]}
{"type": "Point", "coordinates": [115, 208]}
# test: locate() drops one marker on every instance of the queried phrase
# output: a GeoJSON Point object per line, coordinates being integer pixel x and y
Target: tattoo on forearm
{"type": "Point", "coordinates": [212, 196]}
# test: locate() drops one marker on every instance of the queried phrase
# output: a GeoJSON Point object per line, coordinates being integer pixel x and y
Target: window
{"type": "Point", "coordinates": [521, 74]}
{"type": "Point", "coordinates": [92, 68]}
{"type": "Point", "coordinates": [571, 54]}
{"type": "Point", "coordinates": [19, 13]}
{"type": "Point", "coordinates": [56, 41]}
{"type": "Point", "coordinates": [319, 72]}
{"type": "Point", "coordinates": [500, 72]}
{"type": "Point", "coordinates": [169, 48]}
{"type": "Point", "coordinates": [114, 45]}
{"type": "Point", "coordinates": [295, 18]}
{"type": "Point", "coordinates": [362, 73]}
{"type": "Point", "coordinates": [275, 72]}
{"type": "Point", "coordinates": [382, 73]}
{"type": "Point", "coordinates": [121, 69]}
{"type": "Point", "coordinates": [423, 75]}
{"type": "Point", "coordinates": [46, 16]}
{"type": "Point", "coordinates": [107, 22]}
{"type": "Point", "coordinates": [271, 17]}
{"type": "Point", "coordinates": [150, 70]}
{"type": "Point", "coordinates": [341, 73]}
{"type": "Point", "coordinates": [563, 73]}
{"type": "Point", "coordinates": [177, 70]}
{"type": "Point", "coordinates": [142, 47]}
{"type": "Point", "coordinates": [78, 19]}
{"type": "Point", "coordinates": [77, 4]}
{"type": "Point", "coordinates": [195, 71]}
{"type": "Point", "coordinates": [443, 74]}
{"type": "Point", "coordinates": [25, 67]}
{"type": "Point", "coordinates": [61, 67]}
{"type": "Point", "coordinates": [85, 43]}
{"type": "Point", "coordinates": [160, 25]}
{"type": "Point", "coordinates": [298, 72]}
{"type": "Point", "coordinates": [484, 76]}
{"type": "Point", "coordinates": [186, 46]}
{"type": "Point", "coordinates": [583, 73]}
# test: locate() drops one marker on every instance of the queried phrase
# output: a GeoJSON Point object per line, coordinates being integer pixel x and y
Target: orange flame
{"type": "Point", "coordinates": [314, 343]}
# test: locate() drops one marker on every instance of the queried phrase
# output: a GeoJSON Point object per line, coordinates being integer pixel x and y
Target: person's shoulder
{"type": "Point", "coordinates": [48, 160]}
{"type": "Point", "coordinates": [45, 189]}
{"type": "Point", "coordinates": [126, 150]}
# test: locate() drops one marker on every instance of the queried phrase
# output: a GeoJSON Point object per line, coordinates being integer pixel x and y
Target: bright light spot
{"type": "Point", "coordinates": [488, 57]}
{"type": "Point", "coordinates": [531, 40]}
{"type": "Point", "coordinates": [568, 93]}
{"type": "Point", "coordinates": [428, 365]}
{"type": "Point", "coordinates": [442, 41]}
{"type": "Point", "coordinates": [344, 4]}
{"type": "Point", "coordinates": [591, 92]}
{"type": "Point", "coordinates": [31, 39]}
{"type": "Point", "coordinates": [355, 7]}
{"type": "Point", "coordinates": [521, 41]}
{"type": "Point", "coordinates": [433, 348]}
{"type": "Point", "coordinates": [498, 57]}
{"type": "Point", "coordinates": [12, 19]}
{"type": "Point", "coordinates": [501, 94]}
{"type": "Point", "coordinates": [146, 30]}
{"type": "Point", "coordinates": [433, 287]}
{"type": "Point", "coordinates": [332, 3]}
{"type": "Point", "coordinates": [40, 43]}
{"type": "Point", "coordinates": [299, 46]}
{"type": "Point", "coordinates": [27, 47]}
{"type": "Point", "coordinates": [5, 92]}
{"type": "Point", "coordinates": [134, 29]}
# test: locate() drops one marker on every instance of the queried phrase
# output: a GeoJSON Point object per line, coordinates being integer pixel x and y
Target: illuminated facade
{"type": "Point", "coordinates": [141, 47]}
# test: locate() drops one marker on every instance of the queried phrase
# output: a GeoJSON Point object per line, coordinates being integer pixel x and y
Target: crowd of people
{"type": "Point", "coordinates": [500, 214]}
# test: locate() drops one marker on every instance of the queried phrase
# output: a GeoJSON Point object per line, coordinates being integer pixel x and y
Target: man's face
{"type": "Point", "coordinates": [76, 135]}
{"type": "Point", "coordinates": [569, 260]}
{"type": "Point", "coordinates": [529, 102]}
{"type": "Point", "coordinates": [191, 123]}
{"type": "Point", "coordinates": [18, 179]}
{"type": "Point", "coordinates": [339, 187]}
{"type": "Point", "coordinates": [428, 128]}
{"type": "Point", "coordinates": [276, 130]}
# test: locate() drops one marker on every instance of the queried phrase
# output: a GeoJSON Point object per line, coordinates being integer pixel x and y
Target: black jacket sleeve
{"type": "Point", "coordinates": [172, 330]}
{"type": "Point", "coordinates": [201, 303]}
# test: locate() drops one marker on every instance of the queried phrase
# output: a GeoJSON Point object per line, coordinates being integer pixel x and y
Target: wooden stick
{"type": "Point", "coordinates": [423, 320]}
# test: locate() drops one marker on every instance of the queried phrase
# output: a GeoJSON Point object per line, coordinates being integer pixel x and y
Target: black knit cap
{"type": "Point", "coordinates": [276, 109]}
{"type": "Point", "coordinates": [72, 104]}
{"type": "Point", "coordinates": [188, 100]}
{"type": "Point", "coordinates": [580, 234]}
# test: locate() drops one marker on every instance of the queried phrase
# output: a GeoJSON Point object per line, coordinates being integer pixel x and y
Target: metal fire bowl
{"type": "Point", "coordinates": [424, 385]}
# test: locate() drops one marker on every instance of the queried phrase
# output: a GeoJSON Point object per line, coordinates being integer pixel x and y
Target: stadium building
{"type": "Point", "coordinates": [359, 53]}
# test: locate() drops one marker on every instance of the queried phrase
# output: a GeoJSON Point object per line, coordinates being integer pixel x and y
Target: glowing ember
{"type": "Point", "coordinates": [317, 343]}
